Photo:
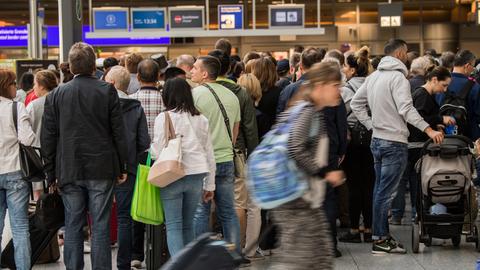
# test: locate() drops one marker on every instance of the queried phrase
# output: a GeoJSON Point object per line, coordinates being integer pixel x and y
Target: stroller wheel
{"type": "Point", "coordinates": [415, 237]}
{"type": "Point", "coordinates": [456, 240]}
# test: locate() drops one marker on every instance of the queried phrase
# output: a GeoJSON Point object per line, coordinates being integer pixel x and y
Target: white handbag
{"type": "Point", "coordinates": [168, 168]}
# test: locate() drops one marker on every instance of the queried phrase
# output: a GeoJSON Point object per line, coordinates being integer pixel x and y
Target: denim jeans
{"type": "Point", "coordinates": [390, 159]}
{"type": "Point", "coordinates": [224, 206]}
{"type": "Point", "coordinates": [180, 200]}
{"type": "Point", "coordinates": [14, 195]}
{"type": "Point", "coordinates": [409, 176]}
{"type": "Point", "coordinates": [123, 197]}
{"type": "Point", "coordinates": [96, 197]}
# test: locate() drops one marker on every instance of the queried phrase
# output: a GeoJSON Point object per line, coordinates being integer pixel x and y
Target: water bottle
{"type": "Point", "coordinates": [450, 130]}
{"type": "Point", "coordinates": [478, 265]}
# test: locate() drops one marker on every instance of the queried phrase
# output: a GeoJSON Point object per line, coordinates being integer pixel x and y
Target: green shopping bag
{"type": "Point", "coordinates": [146, 203]}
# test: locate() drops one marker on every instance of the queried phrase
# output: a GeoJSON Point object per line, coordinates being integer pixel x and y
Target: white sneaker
{"type": "Point", "coordinates": [258, 256]}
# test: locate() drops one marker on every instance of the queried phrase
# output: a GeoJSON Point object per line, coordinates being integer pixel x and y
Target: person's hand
{"type": "Point", "coordinates": [335, 178]}
{"type": "Point", "coordinates": [436, 136]}
{"type": "Point", "coordinates": [477, 146]}
{"type": "Point", "coordinates": [207, 196]}
{"type": "Point", "coordinates": [448, 121]}
{"type": "Point", "coordinates": [121, 179]}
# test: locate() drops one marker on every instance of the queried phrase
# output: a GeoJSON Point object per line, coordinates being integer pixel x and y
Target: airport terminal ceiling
{"type": "Point", "coordinates": [15, 12]}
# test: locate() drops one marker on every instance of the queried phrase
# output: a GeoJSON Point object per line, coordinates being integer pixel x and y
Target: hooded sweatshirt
{"type": "Point", "coordinates": [347, 92]}
{"type": "Point", "coordinates": [387, 93]}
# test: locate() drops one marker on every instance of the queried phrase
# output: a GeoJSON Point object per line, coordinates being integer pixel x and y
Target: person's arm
{"type": "Point", "coordinates": [476, 91]}
{"type": "Point", "coordinates": [403, 100]}
{"type": "Point", "coordinates": [118, 129]}
{"type": "Point", "coordinates": [359, 105]}
{"type": "Point", "coordinates": [49, 137]}
{"type": "Point", "coordinates": [26, 136]}
{"type": "Point", "coordinates": [237, 119]}
{"type": "Point", "coordinates": [143, 139]}
{"type": "Point", "coordinates": [236, 128]}
{"type": "Point", "coordinates": [249, 125]}
{"type": "Point", "coordinates": [209, 182]}
{"type": "Point", "coordinates": [158, 142]}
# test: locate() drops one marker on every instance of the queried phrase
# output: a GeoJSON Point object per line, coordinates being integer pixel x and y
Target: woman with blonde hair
{"type": "Point", "coordinates": [252, 85]}
{"type": "Point", "coordinates": [304, 231]}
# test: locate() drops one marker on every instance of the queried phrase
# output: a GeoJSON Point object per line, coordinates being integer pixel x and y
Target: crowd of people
{"type": "Point", "coordinates": [96, 121]}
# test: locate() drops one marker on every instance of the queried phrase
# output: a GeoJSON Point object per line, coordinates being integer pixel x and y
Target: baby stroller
{"type": "Point", "coordinates": [443, 200]}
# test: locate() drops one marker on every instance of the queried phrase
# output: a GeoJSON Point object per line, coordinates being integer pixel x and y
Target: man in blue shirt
{"type": "Point", "coordinates": [464, 65]}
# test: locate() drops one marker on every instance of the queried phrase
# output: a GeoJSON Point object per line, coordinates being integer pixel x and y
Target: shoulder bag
{"type": "Point", "coordinates": [30, 160]}
{"type": "Point", "coordinates": [168, 168]}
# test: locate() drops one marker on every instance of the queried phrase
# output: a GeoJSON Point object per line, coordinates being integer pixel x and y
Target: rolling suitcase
{"type": "Point", "coordinates": [157, 247]}
{"type": "Point", "coordinates": [205, 253]}
{"type": "Point", "coordinates": [43, 244]}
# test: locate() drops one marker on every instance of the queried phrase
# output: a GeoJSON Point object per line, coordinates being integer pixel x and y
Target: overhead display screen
{"type": "Point", "coordinates": [110, 19]}
{"type": "Point", "coordinates": [230, 17]}
{"type": "Point", "coordinates": [286, 16]}
{"type": "Point", "coordinates": [148, 18]}
{"type": "Point", "coordinates": [186, 18]}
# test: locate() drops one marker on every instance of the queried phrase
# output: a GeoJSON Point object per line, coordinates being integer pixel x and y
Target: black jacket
{"type": "Point", "coordinates": [267, 110]}
{"type": "Point", "coordinates": [83, 134]}
{"type": "Point", "coordinates": [337, 127]}
{"type": "Point", "coordinates": [136, 132]}
{"type": "Point", "coordinates": [416, 82]}
{"type": "Point", "coordinates": [248, 135]}
{"type": "Point", "coordinates": [428, 108]}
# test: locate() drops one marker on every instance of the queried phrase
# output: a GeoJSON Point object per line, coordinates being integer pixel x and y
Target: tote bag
{"type": "Point", "coordinates": [168, 167]}
{"type": "Point", "coordinates": [147, 205]}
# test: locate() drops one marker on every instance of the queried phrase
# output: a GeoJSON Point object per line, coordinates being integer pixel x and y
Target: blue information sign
{"type": "Point", "coordinates": [144, 18]}
{"type": "Point", "coordinates": [110, 19]}
{"type": "Point", "coordinates": [230, 17]}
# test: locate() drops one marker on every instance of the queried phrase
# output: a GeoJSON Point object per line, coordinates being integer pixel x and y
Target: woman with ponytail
{"type": "Point", "coordinates": [358, 163]}
{"type": "Point", "coordinates": [437, 81]}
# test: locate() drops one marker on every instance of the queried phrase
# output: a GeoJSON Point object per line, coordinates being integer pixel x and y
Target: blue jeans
{"type": "Point", "coordinates": [96, 197]}
{"type": "Point", "coordinates": [390, 160]}
{"type": "Point", "coordinates": [224, 206]}
{"type": "Point", "coordinates": [409, 176]}
{"type": "Point", "coordinates": [14, 193]}
{"type": "Point", "coordinates": [180, 200]}
{"type": "Point", "coordinates": [123, 197]}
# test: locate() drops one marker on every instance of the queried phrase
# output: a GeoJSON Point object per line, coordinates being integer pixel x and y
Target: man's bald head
{"type": "Point", "coordinates": [148, 71]}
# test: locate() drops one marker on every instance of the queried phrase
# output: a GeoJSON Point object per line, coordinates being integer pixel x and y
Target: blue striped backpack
{"type": "Point", "coordinates": [273, 178]}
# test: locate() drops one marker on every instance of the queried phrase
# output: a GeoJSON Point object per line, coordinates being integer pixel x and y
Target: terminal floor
{"type": "Point", "coordinates": [440, 256]}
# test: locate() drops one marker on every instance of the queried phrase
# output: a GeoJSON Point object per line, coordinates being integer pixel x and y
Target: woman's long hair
{"type": "Point", "coordinates": [177, 96]}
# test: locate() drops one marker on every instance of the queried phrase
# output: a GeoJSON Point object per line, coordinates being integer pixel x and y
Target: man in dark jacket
{"type": "Point", "coordinates": [309, 57]}
{"type": "Point", "coordinates": [138, 142]}
{"type": "Point", "coordinates": [246, 142]}
{"type": "Point", "coordinates": [85, 150]}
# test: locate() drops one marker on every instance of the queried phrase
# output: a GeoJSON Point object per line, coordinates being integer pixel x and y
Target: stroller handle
{"type": "Point", "coordinates": [460, 137]}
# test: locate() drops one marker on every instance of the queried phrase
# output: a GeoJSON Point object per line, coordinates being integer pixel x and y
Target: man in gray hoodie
{"type": "Point", "coordinates": [387, 93]}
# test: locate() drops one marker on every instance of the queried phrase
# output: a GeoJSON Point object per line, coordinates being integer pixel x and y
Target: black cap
{"type": "Point", "coordinates": [161, 61]}
{"type": "Point", "coordinates": [283, 65]}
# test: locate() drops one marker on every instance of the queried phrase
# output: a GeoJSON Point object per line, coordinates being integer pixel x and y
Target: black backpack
{"type": "Point", "coordinates": [359, 134]}
{"type": "Point", "coordinates": [455, 105]}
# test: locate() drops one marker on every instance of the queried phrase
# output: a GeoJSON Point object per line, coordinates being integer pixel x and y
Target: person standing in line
{"type": "Point", "coordinates": [151, 99]}
{"type": "Point", "coordinates": [138, 143]}
{"type": "Point", "coordinates": [304, 230]}
{"type": "Point", "coordinates": [85, 152]}
{"type": "Point", "coordinates": [213, 101]}
{"type": "Point", "coordinates": [25, 85]}
{"type": "Point", "coordinates": [437, 81]}
{"type": "Point", "coordinates": [45, 81]}
{"type": "Point", "coordinates": [387, 93]}
{"type": "Point", "coordinates": [180, 198]}
{"type": "Point", "coordinates": [131, 63]}
{"type": "Point", "coordinates": [247, 212]}
{"type": "Point", "coordinates": [185, 62]}
{"type": "Point", "coordinates": [358, 162]}
{"type": "Point", "coordinates": [13, 189]}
